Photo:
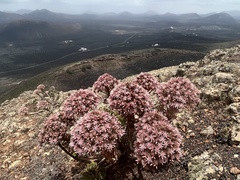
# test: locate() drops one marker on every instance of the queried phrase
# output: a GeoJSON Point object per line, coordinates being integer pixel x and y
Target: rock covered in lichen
{"type": "Point", "coordinates": [234, 94]}
{"type": "Point", "coordinates": [204, 165]}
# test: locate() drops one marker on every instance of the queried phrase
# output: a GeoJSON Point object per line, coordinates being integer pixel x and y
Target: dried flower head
{"type": "Point", "coordinates": [23, 110]}
{"type": "Point", "coordinates": [42, 104]}
{"type": "Point", "coordinates": [130, 99]}
{"type": "Point", "coordinates": [79, 103]}
{"type": "Point", "coordinates": [157, 141]}
{"type": "Point", "coordinates": [105, 83]}
{"type": "Point", "coordinates": [40, 88]}
{"type": "Point", "coordinates": [96, 134]}
{"type": "Point", "coordinates": [176, 94]}
{"type": "Point", "coordinates": [147, 81]}
{"type": "Point", "coordinates": [54, 130]}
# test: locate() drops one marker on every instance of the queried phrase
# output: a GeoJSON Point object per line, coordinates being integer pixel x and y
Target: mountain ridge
{"type": "Point", "coordinates": [220, 19]}
{"type": "Point", "coordinates": [44, 14]}
{"type": "Point", "coordinates": [105, 22]}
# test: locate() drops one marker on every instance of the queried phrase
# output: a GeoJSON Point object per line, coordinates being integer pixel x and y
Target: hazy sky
{"type": "Point", "coordinates": [135, 6]}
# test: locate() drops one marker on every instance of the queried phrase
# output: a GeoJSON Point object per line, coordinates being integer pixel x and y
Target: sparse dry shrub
{"type": "Point", "coordinates": [23, 110]}
{"type": "Point", "coordinates": [49, 99]}
{"type": "Point", "coordinates": [42, 105]}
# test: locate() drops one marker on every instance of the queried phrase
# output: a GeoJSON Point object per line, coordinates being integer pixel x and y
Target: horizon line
{"type": "Point", "coordinates": [151, 12]}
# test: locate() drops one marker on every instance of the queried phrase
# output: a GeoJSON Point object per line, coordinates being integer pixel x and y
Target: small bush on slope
{"type": "Point", "coordinates": [99, 134]}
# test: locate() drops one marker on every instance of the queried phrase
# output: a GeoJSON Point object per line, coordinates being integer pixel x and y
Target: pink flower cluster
{"type": "Point", "coordinates": [54, 130]}
{"type": "Point", "coordinates": [176, 94]}
{"type": "Point", "coordinates": [157, 141]}
{"type": "Point", "coordinates": [147, 81]}
{"type": "Point", "coordinates": [105, 83]}
{"type": "Point", "coordinates": [147, 134]}
{"type": "Point", "coordinates": [57, 125]}
{"type": "Point", "coordinates": [80, 103]}
{"type": "Point", "coordinates": [130, 99]}
{"type": "Point", "coordinates": [96, 134]}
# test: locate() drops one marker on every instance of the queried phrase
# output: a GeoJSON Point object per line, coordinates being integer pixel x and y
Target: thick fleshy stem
{"type": "Point", "coordinates": [139, 172]}
{"type": "Point", "coordinates": [71, 155]}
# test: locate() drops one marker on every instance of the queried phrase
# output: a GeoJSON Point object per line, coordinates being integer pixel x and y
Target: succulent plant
{"type": "Point", "coordinates": [105, 83]}
{"type": "Point", "coordinates": [157, 141]}
{"type": "Point", "coordinates": [54, 130]}
{"type": "Point", "coordinates": [126, 124]}
{"type": "Point", "coordinates": [130, 99]}
{"type": "Point", "coordinates": [176, 94]}
{"type": "Point", "coordinates": [79, 103]}
{"type": "Point", "coordinates": [97, 134]}
{"type": "Point", "coordinates": [147, 81]}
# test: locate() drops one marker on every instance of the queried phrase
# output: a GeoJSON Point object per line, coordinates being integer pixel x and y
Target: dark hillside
{"type": "Point", "coordinates": [24, 30]}
{"type": "Point", "coordinates": [46, 15]}
{"type": "Point", "coordinates": [82, 74]}
{"type": "Point", "coordinates": [8, 17]}
{"type": "Point", "coordinates": [221, 19]}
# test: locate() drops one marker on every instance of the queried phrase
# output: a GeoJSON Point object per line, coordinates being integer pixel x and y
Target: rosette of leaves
{"type": "Point", "coordinates": [176, 94]}
{"type": "Point", "coordinates": [157, 141]}
{"type": "Point", "coordinates": [53, 131]}
{"type": "Point", "coordinates": [96, 134]}
{"type": "Point", "coordinates": [105, 83]}
{"type": "Point", "coordinates": [147, 81]}
{"type": "Point", "coordinates": [79, 103]}
{"type": "Point", "coordinates": [130, 99]}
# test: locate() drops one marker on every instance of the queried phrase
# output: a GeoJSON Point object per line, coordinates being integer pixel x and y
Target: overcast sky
{"type": "Point", "coordinates": [135, 6]}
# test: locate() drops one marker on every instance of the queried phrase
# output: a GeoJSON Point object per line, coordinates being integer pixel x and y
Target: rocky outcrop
{"type": "Point", "coordinates": [234, 94]}
{"type": "Point", "coordinates": [218, 77]}
{"type": "Point", "coordinates": [200, 167]}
